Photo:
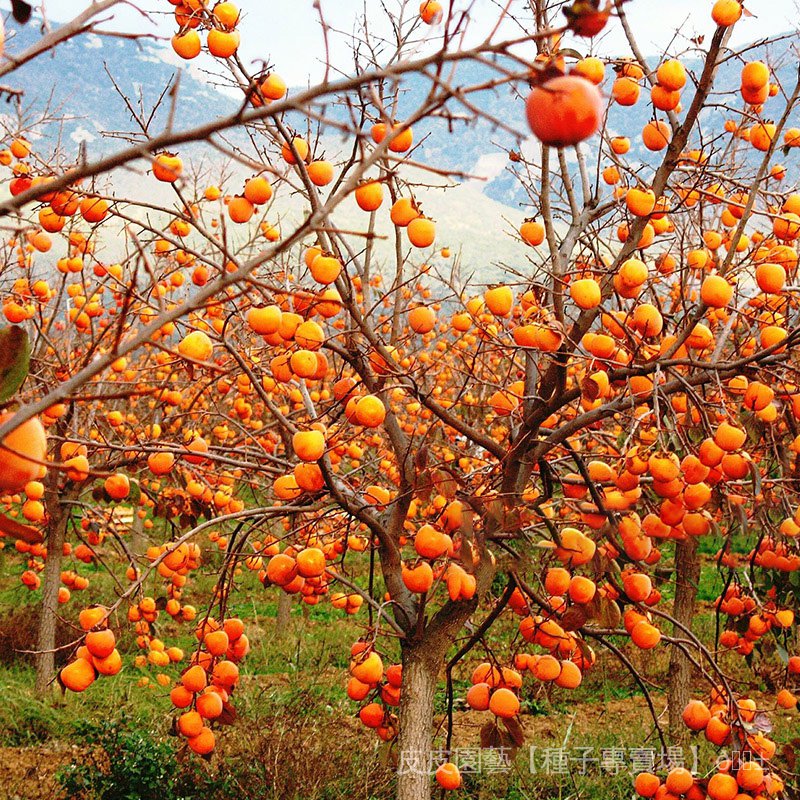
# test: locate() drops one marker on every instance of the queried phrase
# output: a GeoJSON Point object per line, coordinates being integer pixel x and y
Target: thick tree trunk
{"type": "Point", "coordinates": [423, 657]}
{"type": "Point", "coordinates": [420, 671]}
{"type": "Point", "coordinates": [284, 613]}
{"type": "Point", "coordinates": [687, 574]}
{"type": "Point", "coordinates": [46, 640]}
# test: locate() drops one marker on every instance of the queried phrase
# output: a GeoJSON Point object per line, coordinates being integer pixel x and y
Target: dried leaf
{"type": "Point", "coordinates": [228, 715]}
{"type": "Point", "coordinates": [445, 483]}
{"type": "Point", "coordinates": [467, 555]}
{"type": "Point", "coordinates": [593, 608]}
{"type": "Point", "coordinates": [605, 612]}
{"type": "Point", "coordinates": [499, 739]}
{"type": "Point", "coordinates": [586, 651]}
{"type": "Point", "coordinates": [487, 733]}
{"type": "Point", "coordinates": [187, 521]}
{"type": "Point", "coordinates": [546, 474]}
{"type": "Point", "coordinates": [515, 731]}
{"type": "Point", "coordinates": [21, 11]}
{"type": "Point", "coordinates": [600, 563]}
{"type": "Point", "coordinates": [15, 359]}
{"type": "Point", "coordinates": [574, 618]}
{"type": "Point", "coordinates": [741, 626]}
{"type": "Point", "coordinates": [505, 742]}
{"type": "Point", "coordinates": [424, 487]}
{"type": "Point", "coordinates": [467, 526]}
{"type": "Point", "coordinates": [756, 473]}
{"type": "Point", "coordinates": [612, 616]}
{"type": "Point", "coordinates": [421, 458]}
{"type": "Point", "coordinates": [495, 508]}
{"type": "Point", "coordinates": [790, 755]}
{"type": "Point", "coordinates": [762, 723]}
{"type": "Point", "coordinates": [590, 388]}
{"type": "Point", "coordinates": [386, 755]}
{"type": "Point", "coordinates": [742, 514]}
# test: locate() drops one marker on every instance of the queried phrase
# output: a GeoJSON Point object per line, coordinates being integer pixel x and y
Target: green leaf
{"type": "Point", "coordinates": [15, 359]}
{"type": "Point", "coordinates": [135, 493]}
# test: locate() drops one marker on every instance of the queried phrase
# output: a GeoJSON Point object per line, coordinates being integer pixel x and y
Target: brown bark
{"type": "Point", "coordinates": [138, 543]}
{"type": "Point", "coordinates": [687, 574]}
{"type": "Point", "coordinates": [421, 665]}
{"type": "Point", "coordinates": [56, 536]}
{"type": "Point", "coordinates": [284, 613]}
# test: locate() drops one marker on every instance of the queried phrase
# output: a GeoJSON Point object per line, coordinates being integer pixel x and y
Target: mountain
{"type": "Point", "coordinates": [85, 87]}
{"type": "Point", "coordinates": [80, 91]}
{"type": "Point", "coordinates": [78, 82]}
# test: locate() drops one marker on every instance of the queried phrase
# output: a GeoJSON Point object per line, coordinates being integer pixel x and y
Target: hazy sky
{"type": "Point", "coordinates": [287, 32]}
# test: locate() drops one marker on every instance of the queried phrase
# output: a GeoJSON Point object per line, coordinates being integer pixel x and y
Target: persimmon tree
{"type": "Point", "coordinates": [339, 411]}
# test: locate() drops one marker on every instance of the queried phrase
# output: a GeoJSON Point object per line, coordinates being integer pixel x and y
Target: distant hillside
{"type": "Point", "coordinates": [76, 88]}
{"type": "Point", "coordinates": [79, 82]}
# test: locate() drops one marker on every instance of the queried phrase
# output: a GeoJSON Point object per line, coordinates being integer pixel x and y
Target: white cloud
{"type": "Point", "coordinates": [82, 135]}
{"type": "Point", "coordinates": [488, 166]}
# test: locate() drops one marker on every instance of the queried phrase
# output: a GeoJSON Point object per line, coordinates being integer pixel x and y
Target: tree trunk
{"type": "Point", "coordinates": [687, 574]}
{"type": "Point", "coordinates": [284, 614]}
{"type": "Point", "coordinates": [46, 641]}
{"type": "Point", "coordinates": [138, 545]}
{"type": "Point", "coordinates": [423, 657]}
{"type": "Point", "coordinates": [420, 670]}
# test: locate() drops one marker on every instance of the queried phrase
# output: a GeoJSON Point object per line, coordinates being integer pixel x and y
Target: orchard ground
{"type": "Point", "coordinates": [297, 735]}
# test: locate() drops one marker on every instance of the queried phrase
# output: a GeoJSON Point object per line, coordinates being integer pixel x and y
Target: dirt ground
{"type": "Point", "coordinates": [29, 772]}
